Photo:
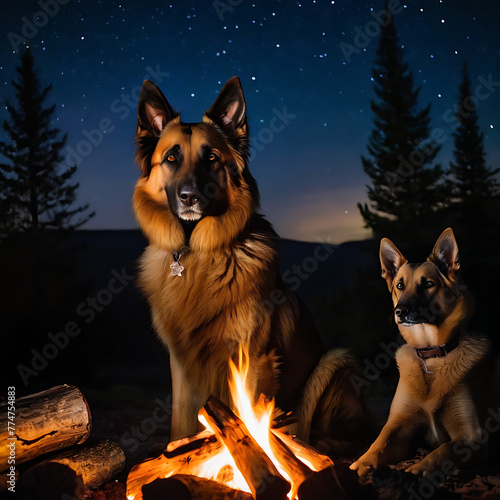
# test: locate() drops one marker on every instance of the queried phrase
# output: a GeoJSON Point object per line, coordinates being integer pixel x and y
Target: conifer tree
{"type": "Point", "coordinates": [36, 192]}
{"type": "Point", "coordinates": [405, 190]}
{"type": "Point", "coordinates": [473, 182]}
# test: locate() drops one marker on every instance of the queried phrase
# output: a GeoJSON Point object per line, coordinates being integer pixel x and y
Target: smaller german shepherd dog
{"type": "Point", "coordinates": [210, 274]}
{"type": "Point", "coordinates": [442, 380]}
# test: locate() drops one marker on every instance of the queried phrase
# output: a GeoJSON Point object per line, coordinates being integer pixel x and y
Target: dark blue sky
{"type": "Point", "coordinates": [306, 72]}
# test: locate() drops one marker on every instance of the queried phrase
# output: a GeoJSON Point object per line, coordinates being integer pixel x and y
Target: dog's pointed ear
{"type": "Point", "coordinates": [445, 254]}
{"type": "Point", "coordinates": [153, 111]}
{"type": "Point", "coordinates": [229, 109]}
{"type": "Point", "coordinates": [391, 260]}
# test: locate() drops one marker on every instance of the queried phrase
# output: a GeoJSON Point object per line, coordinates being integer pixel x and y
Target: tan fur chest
{"type": "Point", "coordinates": [432, 382]}
{"type": "Point", "coordinates": [214, 294]}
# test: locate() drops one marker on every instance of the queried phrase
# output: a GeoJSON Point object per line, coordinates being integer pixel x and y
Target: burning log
{"type": "Point", "coordinates": [186, 458]}
{"type": "Point", "coordinates": [190, 441]}
{"type": "Point", "coordinates": [294, 467]}
{"type": "Point", "coordinates": [46, 421]}
{"type": "Point", "coordinates": [307, 483]}
{"type": "Point", "coordinates": [317, 460]}
{"type": "Point", "coordinates": [242, 453]}
{"type": "Point", "coordinates": [259, 472]}
{"type": "Point", "coordinates": [325, 483]}
{"type": "Point", "coordinates": [187, 487]}
{"type": "Point", "coordinates": [74, 472]}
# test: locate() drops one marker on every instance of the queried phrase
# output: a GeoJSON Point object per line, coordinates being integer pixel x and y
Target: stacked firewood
{"type": "Point", "coordinates": [45, 424]}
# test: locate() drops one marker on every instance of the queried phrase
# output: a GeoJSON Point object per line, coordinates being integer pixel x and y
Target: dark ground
{"type": "Point", "coordinates": [122, 369]}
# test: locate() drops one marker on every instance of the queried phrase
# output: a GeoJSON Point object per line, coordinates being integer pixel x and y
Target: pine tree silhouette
{"type": "Point", "coordinates": [475, 211]}
{"type": "Point", "coordinates": [36, 192]}
{"type": "Point", "coordinates": [473, 182]}
{"type": "Point", "coordinates": [405, 191]}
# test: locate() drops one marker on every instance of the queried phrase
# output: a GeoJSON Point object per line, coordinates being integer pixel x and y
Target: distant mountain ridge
{"type": "Point", "coordinates": [317, 266]}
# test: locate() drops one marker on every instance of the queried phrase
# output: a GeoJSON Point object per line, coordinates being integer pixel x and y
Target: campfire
{"type": "Point", "coordinates": [237, 456]}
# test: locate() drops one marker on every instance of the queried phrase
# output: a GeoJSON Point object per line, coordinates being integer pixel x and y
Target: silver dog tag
{"type": "Point", "coordinates": [176, 269]}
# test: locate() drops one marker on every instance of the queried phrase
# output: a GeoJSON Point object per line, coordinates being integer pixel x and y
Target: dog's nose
{"type": "Point", "coordinates": [402, 311]}
{"type": "Point", "coordinates": [189, 196]}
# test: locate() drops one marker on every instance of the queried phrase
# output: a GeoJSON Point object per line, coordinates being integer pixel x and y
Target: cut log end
{"type": "Point", "coordinates": [47, 421]}
{"type": "Point", "coordinates": [77, 470]}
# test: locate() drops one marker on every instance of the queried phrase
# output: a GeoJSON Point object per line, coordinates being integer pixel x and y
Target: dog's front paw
{"type": "Point", "coordinates": [365, 464]}
{"type": "Point", "coordinates": [422, 468]}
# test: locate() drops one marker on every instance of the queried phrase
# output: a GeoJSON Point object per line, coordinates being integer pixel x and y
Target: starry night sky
{"type": "Point", "coordinates": [296, 63]}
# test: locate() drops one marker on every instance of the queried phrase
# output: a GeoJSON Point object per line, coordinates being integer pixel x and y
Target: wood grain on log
{"type": "Point", "coordinates": [47, 421]}
{"type": "Point", "coordinates": [76, 470]}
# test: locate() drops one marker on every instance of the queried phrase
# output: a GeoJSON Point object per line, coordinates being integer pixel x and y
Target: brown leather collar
{"type": "Point", "coordinates": [438, 351]}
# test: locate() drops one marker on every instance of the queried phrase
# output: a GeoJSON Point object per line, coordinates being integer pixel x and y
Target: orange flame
{"type": "Point", "coordinates": [220, 466]}
{"type": "Point", "coordinates": [257, 417]}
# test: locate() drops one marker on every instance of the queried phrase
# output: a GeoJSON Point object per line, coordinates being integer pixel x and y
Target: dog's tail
{"type": "Point", "coordinates": [332, 415]}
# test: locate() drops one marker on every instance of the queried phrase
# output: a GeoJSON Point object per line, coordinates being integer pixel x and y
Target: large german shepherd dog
{"type": "Point", "coordinates": [210, 274]}
{"type": "Point", "coordinates": [444, 385]}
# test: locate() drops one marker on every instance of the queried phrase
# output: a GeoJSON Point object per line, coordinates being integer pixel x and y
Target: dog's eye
{"type": "Point", "coordinates": [429, 284]}
{"type": "Point", "coordinates": [400, 285]}
{"type": "Point", "coordinates": [170, 157]}
{"type": "Point", "coordinates": [212, 157]}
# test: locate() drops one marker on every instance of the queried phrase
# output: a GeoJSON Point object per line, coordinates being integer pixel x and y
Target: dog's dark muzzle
{"type": "Point", "coordinates": [188, 199]}
{"type": "Point", "coordinates": [407, 314]}
{"type": "Point", "coordinates": [191, 204]}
